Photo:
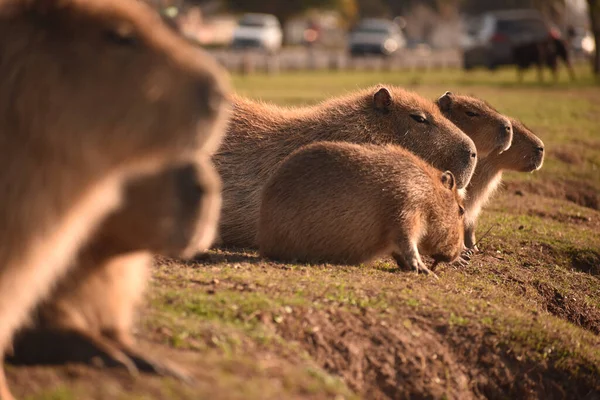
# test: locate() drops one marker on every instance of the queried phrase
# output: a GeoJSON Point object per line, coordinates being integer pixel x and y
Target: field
{"type": "Point", "coordinates": [521, 321]}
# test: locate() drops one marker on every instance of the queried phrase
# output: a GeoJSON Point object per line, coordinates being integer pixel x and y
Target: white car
{"type": "Point", "coordinates": [258, 31]}
{"type": "Point", "coordinates": [376, 36]}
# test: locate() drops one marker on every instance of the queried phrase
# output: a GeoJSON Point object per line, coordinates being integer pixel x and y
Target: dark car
{"type": "Point", "coordinates": [491, 38]}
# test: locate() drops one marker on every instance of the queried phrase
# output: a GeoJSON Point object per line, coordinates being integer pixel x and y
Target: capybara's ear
{"type": "Point", "coordinates": [382, 99]}
{"type": "Point", "coordinates": [448, 180]}
{"type": "Point", "coordinates": [445, 101]}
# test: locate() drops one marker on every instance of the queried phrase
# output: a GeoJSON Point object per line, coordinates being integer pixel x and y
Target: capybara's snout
{"type": "Point", "coordinates": [506, 135]}
{"type": "Point", "coordinates": [468, 154]}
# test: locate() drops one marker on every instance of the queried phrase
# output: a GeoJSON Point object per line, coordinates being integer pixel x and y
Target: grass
{"type": "Point", "coordinates": [521, 321]}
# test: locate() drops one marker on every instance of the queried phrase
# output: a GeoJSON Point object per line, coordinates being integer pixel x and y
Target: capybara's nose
{"type": "Point", "coordinates": [540, 149]}
{"type": "Point", "coordinates": [473, 154]}
{"type": "Point", "coordinates": [508, 128]}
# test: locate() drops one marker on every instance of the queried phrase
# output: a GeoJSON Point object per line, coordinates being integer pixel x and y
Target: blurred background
{"type": "Point", "coordinates": [273, 35]}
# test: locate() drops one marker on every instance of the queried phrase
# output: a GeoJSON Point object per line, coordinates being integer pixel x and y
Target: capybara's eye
{"type": "Point", "coordinates": [472, 114]}
{"type": "Point", "coordinates": [461, 210]}
{"type": "Point", "coordinates": [120, 38]}
{"type": "Point", "coordinates": [420, 118]}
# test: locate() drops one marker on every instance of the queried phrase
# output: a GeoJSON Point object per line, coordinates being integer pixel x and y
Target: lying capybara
{"type": "Point", "coordinates": [93, 92]}
{"type": "Point", "coordinates": [348, 204]}
{"type": "Point", "coordinates": [175, 214]}
{"type": "Point", "coordinates": [261, 135]}
{"type": "Point", "coordinates": [526, 154]}
{"type": "Point", "coordinates": [489, 130]}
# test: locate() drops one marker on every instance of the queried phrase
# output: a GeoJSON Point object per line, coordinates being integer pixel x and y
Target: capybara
{"type": "Point", "coordinates": [93, 92]}
{"type": "Point", "coordinates": [346, 203]}
{"type": "Point", "coordinates": [526, 154]}
{"type": "Point", "coordinates": [173, 213]}
{"type": "Point", "coordinates": [260, 136]}
{"type": "Point", "coordinates": [489, 130]}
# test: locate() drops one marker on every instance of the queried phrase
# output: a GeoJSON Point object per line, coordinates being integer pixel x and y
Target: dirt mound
{"type": "Point", "coordinates": [569, 308]}
{"type": "Point", "coordinates": [574, 191]}
{"type": "Point", "coordinates": [586, 261]}
{"type": "Point", "coordinates": [380, 359]}
{"type": "Point", "coordinates": [413, 357]}
{"type": "Point", "coordinates": [568, 155]}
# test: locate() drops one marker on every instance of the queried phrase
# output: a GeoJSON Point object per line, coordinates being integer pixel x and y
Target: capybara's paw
{"type": "Point", "coordinates": [460, 263]}
{"type": "Point", "coordinates": [422, 268]}
{"type": "Point", "coordinates": [151, 365]}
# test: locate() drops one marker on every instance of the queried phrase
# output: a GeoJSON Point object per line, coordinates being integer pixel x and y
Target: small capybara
{"type": "Point", "coordinates": [489, 130]}
{"type": "Point", "coordinates": [94, 92]}
{"type": "Point", "coordinates": [260, 136]}
{"type": "Point", "coordinates": [346, 203]}
{"type": "Point", "coordinates": [173, 213]}
{"type": "Point", "coordinates": [526, 154]}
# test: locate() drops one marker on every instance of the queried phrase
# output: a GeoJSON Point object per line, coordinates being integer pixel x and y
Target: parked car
{"type": "Point", "coordinates": [376, 36]}
{"type": "Point", "coordinates": [491, 38]}
{"type": "Point", "coordinates": [258, 31]}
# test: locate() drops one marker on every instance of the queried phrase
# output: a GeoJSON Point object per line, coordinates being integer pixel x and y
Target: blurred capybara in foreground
{"type": "Point", "coordinates": [348, 204]}
{"type": "Point", "coordinates": [489, 130]}
{"type": "Point", "coordinates": [173, 213]}
{"type": "Point", "coordinates": [93, 92]}
{"type": "Point", "coordinates": [261, 135]}
{"type": "Point", "coordinates": [526, 154]}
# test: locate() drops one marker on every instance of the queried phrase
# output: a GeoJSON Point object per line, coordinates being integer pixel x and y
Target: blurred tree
{"type": "Point", "coordinates": [374, 8]}
{"type": "Point", "coordinates": [283, 9]}
{"type": "Point", "coordinates": [594, 11]}
{"type": "Point", "coordinates": [348, 10]}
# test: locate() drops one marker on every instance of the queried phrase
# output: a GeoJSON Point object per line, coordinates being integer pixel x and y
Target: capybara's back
{"type": "Point", "coordinates": [348, 203]}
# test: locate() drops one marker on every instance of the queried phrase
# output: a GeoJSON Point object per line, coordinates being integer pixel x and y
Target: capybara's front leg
{"type": "Point", "coordinates": [470, 241]}
{"type": "Point", "coordinates": [408, 254]}
{"type": "Point", "coordinates": [150, 364]}
{"type": "Point", "coordinates": [84, 346]}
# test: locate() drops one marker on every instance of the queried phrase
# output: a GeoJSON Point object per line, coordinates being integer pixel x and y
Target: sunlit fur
{"type": "Point", "coordinates": [347, 203]}
{"type": "Point", "coordinates": [261, 135]}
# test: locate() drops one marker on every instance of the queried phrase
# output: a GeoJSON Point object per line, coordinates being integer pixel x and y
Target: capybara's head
{"type": "Point", "coordinates": [106, 73]}
{"type": "Point", "coordinates": [407, 119]}
{"type": "Point", "coordinates": [445, 234]}
{"type": "Point", "coordinates": [173, 213]}
{"type": "Point", "coordinates": [490, 130]}
{"type": "Point", "coordinates": [526, 154]}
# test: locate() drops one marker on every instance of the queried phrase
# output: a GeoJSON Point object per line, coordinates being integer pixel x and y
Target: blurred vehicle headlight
{"type": "Point", "coordinates": [390, 45]}
{"type": "Point", "coordinates": [587, 44]}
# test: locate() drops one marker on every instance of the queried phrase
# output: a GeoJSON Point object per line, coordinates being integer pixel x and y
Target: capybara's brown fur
{"type": "Point", "coordinates": [261, 135]}
{"type": "Point", "coordinates": [489, 130]}
{"type": "Point", "coordinates": [526, 154]}
{"type": "Point", "coordinates": [348, 203]}
{"type": "Point", "coordinates": [93, 92]}
{"type": "Point", "coordinates": [174, 213]}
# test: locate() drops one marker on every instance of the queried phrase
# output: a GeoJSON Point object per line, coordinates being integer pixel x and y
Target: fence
{"type": "Point", "coordinates": [248, 62]}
